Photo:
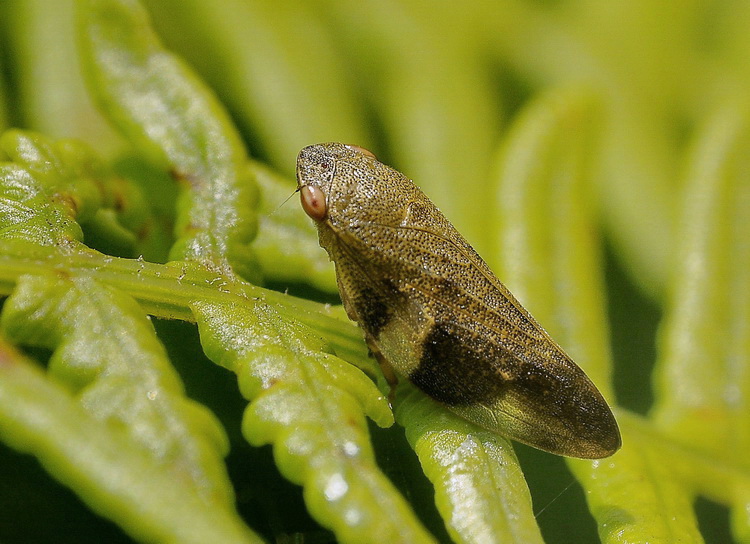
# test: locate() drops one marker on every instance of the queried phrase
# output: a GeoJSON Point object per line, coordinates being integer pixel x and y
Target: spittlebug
{"type": "Point", "coordinates": [433, 310]}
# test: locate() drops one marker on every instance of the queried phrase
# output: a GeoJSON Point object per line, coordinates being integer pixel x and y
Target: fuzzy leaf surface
{"type": "Point", "coordinates": [114, 476]}
{"type": "Point", "coordinates": [309, 405]}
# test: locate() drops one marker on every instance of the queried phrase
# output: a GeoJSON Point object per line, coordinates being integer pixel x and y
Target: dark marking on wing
{"type": "Point", "coordinates": [461, 370]}
{"type": "Point", "coordinates": [374, 300]}
{"type": "Point", "coordinates": [458, 372]}
{"type": "Point", "coordinates": [374, 308]}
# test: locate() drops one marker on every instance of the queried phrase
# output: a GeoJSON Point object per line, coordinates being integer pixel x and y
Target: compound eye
{"type": "Point", "coordinates": [363, 151]}
{"type": "Point", "coordinates": [313, 202]}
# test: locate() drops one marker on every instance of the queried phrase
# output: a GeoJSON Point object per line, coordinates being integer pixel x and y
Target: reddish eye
{"type": "Point", "coordinates": [363, 151]}
{"type": "Point", "coordinates": [313, 202]}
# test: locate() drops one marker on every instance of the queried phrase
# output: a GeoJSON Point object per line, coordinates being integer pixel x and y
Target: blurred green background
{"type": "Point", "coordinates": [431, 88]}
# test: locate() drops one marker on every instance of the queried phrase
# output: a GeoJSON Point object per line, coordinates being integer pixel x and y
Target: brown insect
{"type": "Point", "coordinates": [433, 310]}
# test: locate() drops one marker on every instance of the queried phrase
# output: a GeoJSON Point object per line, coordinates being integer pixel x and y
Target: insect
{"type": "Point", "coordinates": [432, 309]}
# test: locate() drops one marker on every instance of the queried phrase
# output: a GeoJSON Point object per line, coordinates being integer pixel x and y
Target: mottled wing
{"type": "Point", "coordinates": [440, 317]}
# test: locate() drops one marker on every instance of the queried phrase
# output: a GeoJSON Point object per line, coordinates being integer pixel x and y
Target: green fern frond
{"type": "Point", "coordinates": [620, 142]}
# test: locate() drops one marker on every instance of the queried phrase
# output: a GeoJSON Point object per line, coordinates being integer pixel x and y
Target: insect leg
{"type": "Point", "coordinates": [385, 367]}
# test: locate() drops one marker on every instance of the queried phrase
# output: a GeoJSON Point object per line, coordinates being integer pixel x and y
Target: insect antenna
{"type": "Point", "coordinates": [285, 201]}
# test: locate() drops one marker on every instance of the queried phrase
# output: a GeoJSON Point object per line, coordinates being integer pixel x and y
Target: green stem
{"type": "Point", "coordinates": [167, 291]}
